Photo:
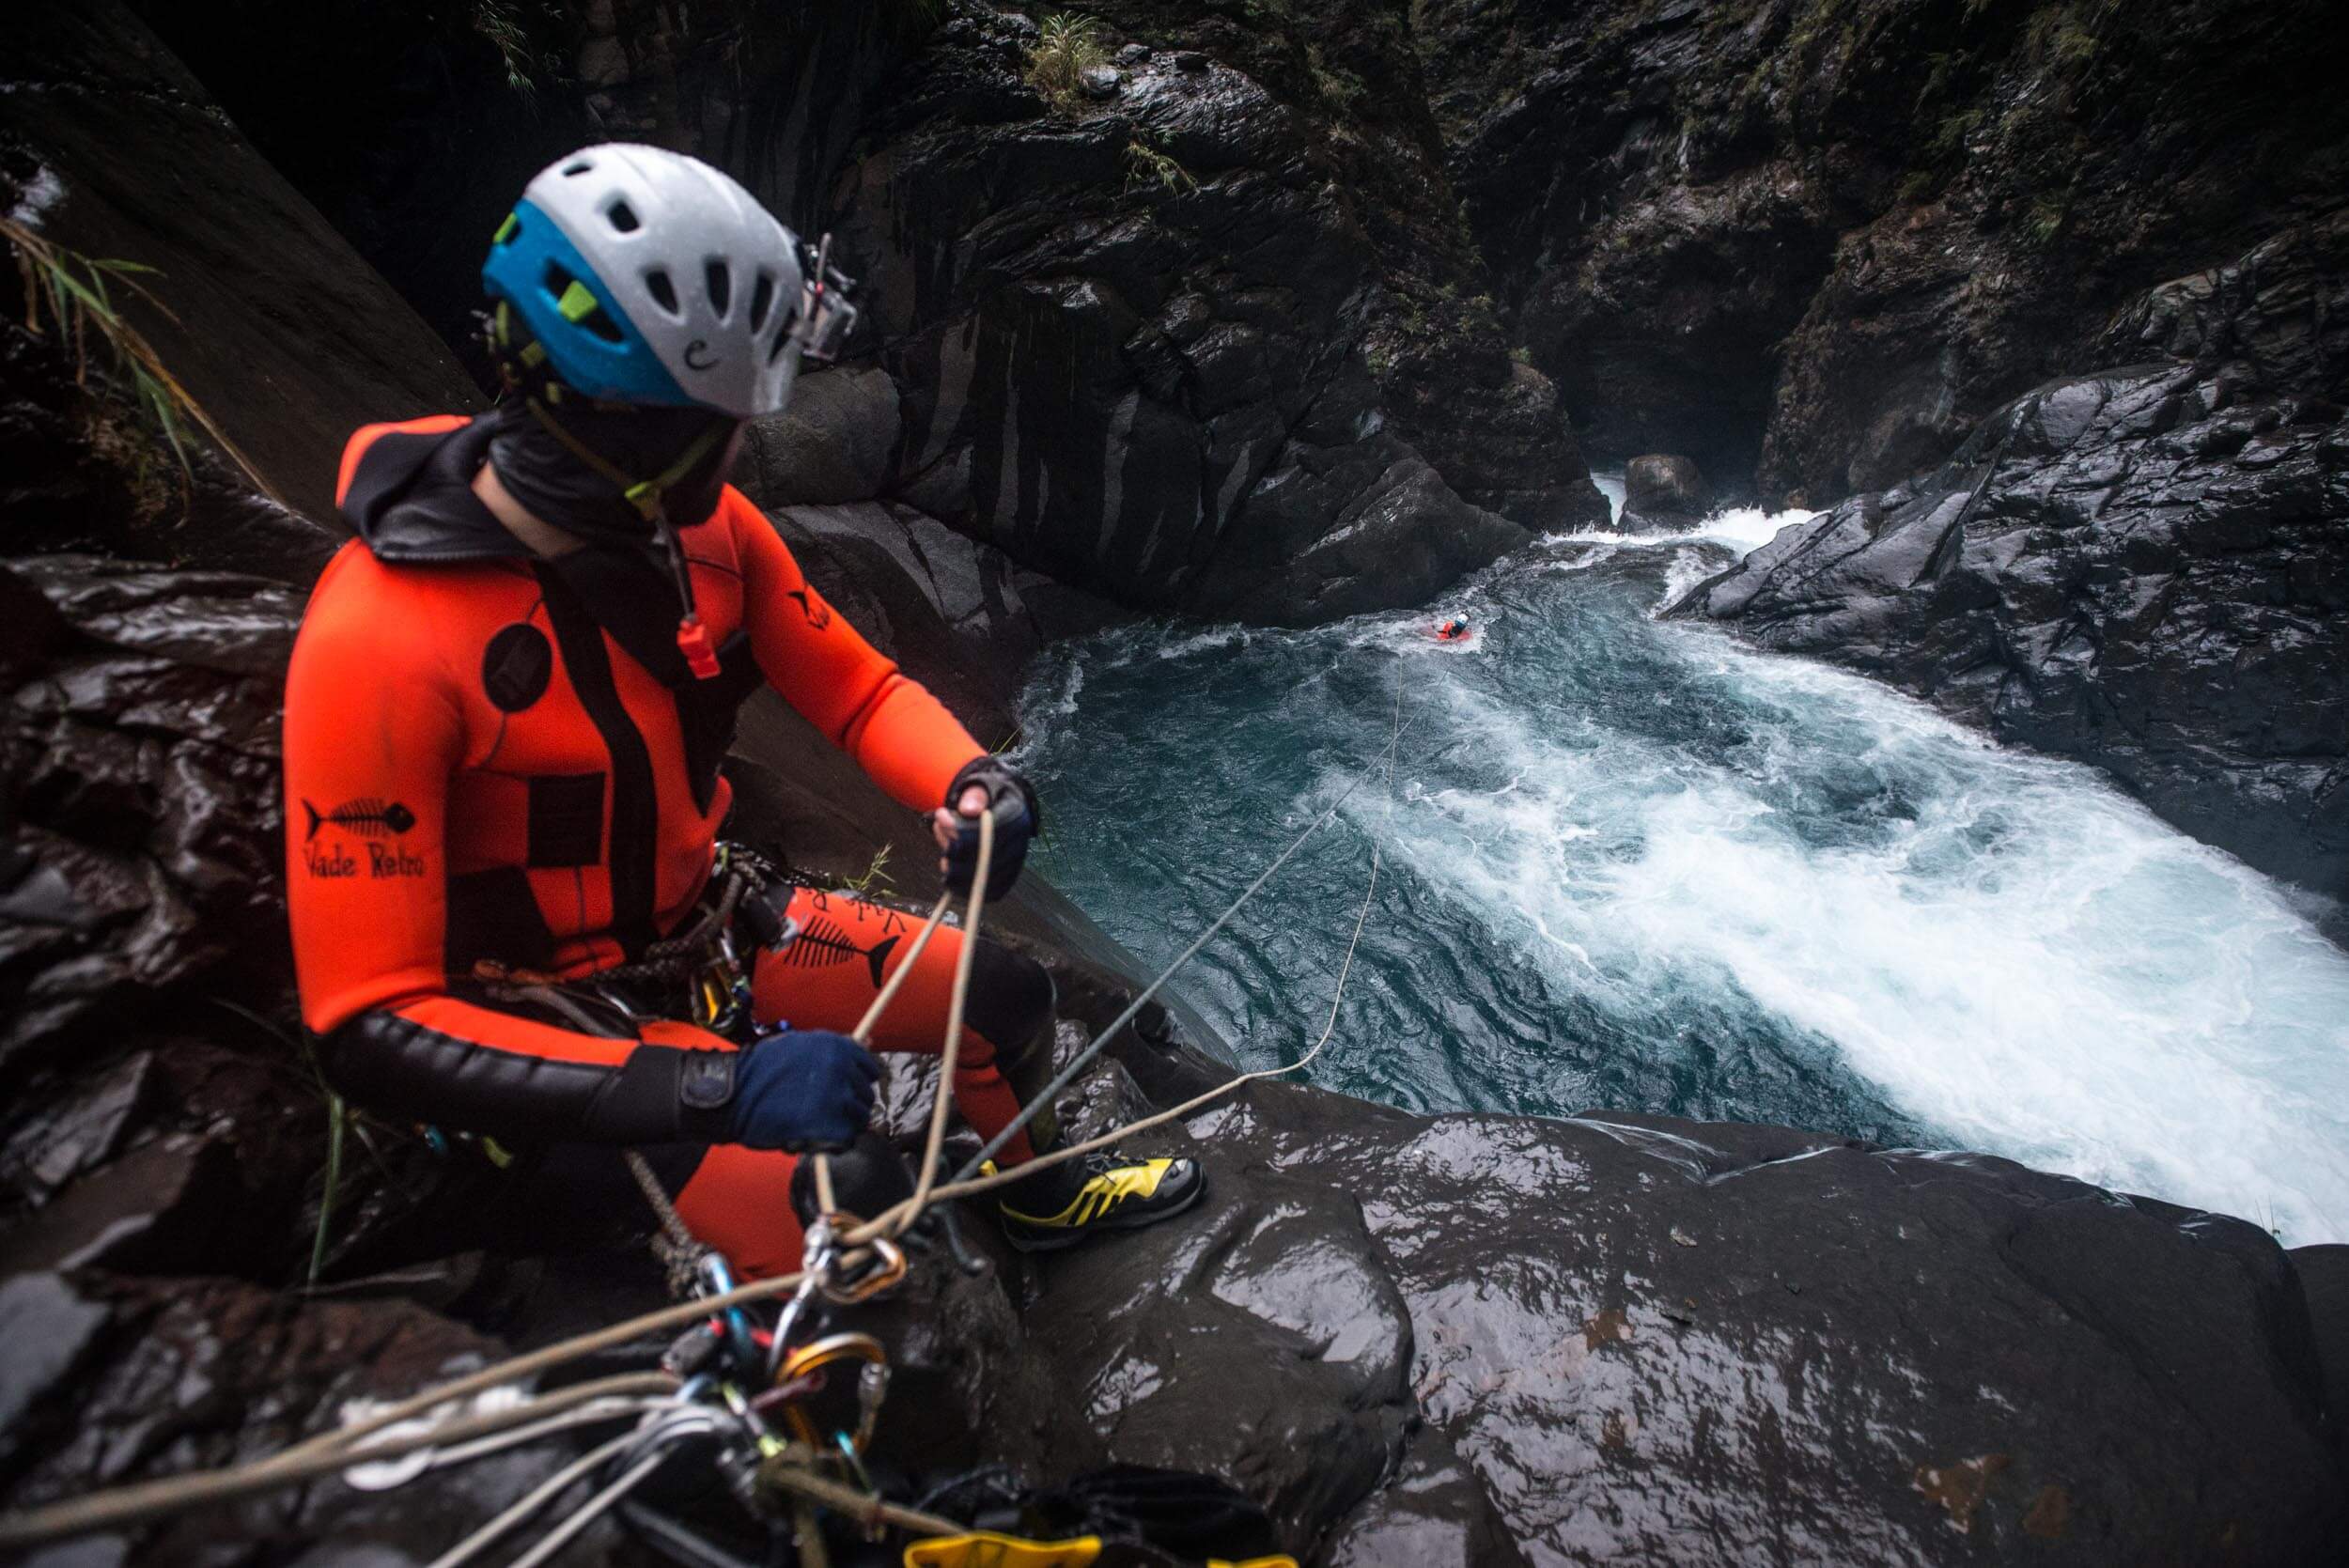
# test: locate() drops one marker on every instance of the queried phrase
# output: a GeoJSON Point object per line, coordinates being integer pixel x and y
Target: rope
{"type": "Point", "coordinates": [549, 1356]}
{"type": "Point", "coordinates": [530, 1502]}
{"type": "Point", "coordinates": [590, 1511]}
{"type": "Point", "coordinates": [862, 1507]}
{"type": "Point", "coordinates": [863, 1033]}
{"type": "Point", "coordinates": [966, 1185]}
{"type": "Point", "coordinates": [673, 958]}
{"type": "Point", "coordinates": [668, 959]}
{"type": "Point", "coordinates": [950, 1056]}
{"type": "Point", "coordinates": [129, 1505]}
{"type": "Point", "coordinates": [678, 1249]}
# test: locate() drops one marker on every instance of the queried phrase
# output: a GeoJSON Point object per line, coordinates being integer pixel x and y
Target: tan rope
{"type": "Point", "coordinates": [531, 1503]}
{"type": "Point", "coordinates": [129, 1505]}
{"type": "Point", "coordinates": [863, 1033]}
{"type": "Point", "coordinates": [976, 1185]}
{"type": "Point", "coordinates": [951, 1053]}
{"type": "Point", "coordinates": [862, 1507]}
{"type": "Point", "coordinates": [552, 1356]}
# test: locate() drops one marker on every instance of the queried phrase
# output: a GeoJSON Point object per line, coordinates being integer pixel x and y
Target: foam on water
{"type": "Point", "coordinates": [1741, 528]}
{"type": "Point", "coordinates": [1637, 866]}
{"type": "Point", "coordinates": [1609, 483]}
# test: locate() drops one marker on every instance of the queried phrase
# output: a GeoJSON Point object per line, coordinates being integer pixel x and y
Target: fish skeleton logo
{"type": "Point", "coordinates": [825, 943]}
{"type": "Point", "coordinates": [818, 614]}
{"type": "Point", "coordinates": [367, 816]}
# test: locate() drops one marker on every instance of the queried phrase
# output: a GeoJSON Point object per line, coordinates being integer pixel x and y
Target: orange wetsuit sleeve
{"type": "Point", "coordinates": [898, 732]}
{"type": "Point", "coordinates": [373, 731]}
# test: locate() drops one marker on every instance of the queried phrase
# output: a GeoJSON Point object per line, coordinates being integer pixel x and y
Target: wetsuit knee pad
{"type": "Point", "coordinates": [867, 1177]}
{"type": "Point", "coordinates": [1011, 1001]}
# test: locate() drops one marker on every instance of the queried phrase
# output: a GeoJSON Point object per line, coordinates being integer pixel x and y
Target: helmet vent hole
{"type": "Point", "coordinates": [577, 304]}
{"type": "Point", "coordinates": [721, 283]}
{"type": "Point", "coordinates": [762, 300]}
{"type": "Point", "coordinates": [623, 217]}
{"type": "Point", "coordinates": [585, 165]}
{"type": "Point", "coordinates": [783, 341]}
{"type": "Point", "coordinates": [664, 292]}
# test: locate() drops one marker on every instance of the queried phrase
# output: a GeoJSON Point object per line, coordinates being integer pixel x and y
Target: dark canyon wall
{"type": "Point", "coordinates": [1819, 241]}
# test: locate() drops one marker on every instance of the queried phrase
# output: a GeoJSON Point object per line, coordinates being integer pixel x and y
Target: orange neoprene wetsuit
{"type": "Point", "coordinates": [494, 759]}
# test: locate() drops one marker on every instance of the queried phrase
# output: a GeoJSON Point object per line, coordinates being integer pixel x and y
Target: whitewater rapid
{"type": "Point", "coordinates": [1631, 864]}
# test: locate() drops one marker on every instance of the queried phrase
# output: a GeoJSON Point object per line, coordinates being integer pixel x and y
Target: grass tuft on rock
{"type": "Point", "coordinates": [75, 294]}
{"type": "Point", "coordinates": [1146, 165]}
{"type": "Point", "coordinates": [1066, 46]}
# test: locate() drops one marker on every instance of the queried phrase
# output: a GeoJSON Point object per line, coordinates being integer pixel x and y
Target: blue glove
{"type": "Point", "coordinates": [802, 1090]}
{"type": "Point", "coordinates": [1011, 801]}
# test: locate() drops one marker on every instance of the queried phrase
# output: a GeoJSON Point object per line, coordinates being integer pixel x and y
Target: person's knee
{"type": "Point", "coordinates": [1011, 998]}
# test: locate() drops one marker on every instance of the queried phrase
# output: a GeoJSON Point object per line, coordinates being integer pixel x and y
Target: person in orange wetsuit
{"type": "Point", "coordinates": [512, 914]}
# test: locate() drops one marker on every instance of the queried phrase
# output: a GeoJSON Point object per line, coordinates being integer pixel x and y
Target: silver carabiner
{"type": "Point", "coordinates": [815, 1264]}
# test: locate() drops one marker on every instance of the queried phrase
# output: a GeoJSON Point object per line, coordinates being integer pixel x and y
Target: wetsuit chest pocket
{"type": "Point", "coordinates": [706, 715]}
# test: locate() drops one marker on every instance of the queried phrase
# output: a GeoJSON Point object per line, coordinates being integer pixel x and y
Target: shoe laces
{"type": "Point", "coordinates": [1101, 1162]}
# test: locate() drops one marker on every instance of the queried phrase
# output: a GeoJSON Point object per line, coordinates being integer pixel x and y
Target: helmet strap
{"type": "Point", "coordinates": [693, 636]}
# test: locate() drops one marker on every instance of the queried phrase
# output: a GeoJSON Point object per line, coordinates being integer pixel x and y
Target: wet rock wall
{"type": "Point", "coordinates": [1814, 242]}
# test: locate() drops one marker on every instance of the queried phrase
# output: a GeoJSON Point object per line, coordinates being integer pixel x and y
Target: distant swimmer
{"type": "Point", "coordinates": [1456, 630]}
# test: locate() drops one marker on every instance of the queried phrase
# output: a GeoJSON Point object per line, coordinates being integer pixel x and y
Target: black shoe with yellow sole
{"type": "Point", "coordinates": [1104, 1191]}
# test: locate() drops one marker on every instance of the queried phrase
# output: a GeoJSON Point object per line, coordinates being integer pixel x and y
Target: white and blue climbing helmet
{"type": "Point", "coordinates": [648, 277]}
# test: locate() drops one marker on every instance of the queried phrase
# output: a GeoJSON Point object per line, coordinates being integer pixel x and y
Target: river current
{"type": "Point", "coordinates": [1628, 863]}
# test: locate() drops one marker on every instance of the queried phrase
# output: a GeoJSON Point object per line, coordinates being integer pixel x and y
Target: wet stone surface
{"type": "Point", "coordinates": [1654, 1340]}
{"type": "Point", "coordinates": [140, 744]}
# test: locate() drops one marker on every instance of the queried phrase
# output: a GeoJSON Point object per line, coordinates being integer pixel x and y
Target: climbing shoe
{"type": "Point", "coordinates": [1104, 1191]}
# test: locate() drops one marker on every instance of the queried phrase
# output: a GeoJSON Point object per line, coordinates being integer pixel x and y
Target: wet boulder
{"type": "Point", "coordinates": [832, 444]}
{"type": "Point", "coordinates": [141, 745]}
{"type": "Point", "coordinates": [2276, 309]}
{"type": "Point", "coordinates": [2146, 570]}
{"type": "Point", "coordinates": [1433, 1514]}
{"type": "Point", "coordinates": [1663, 493]}
{"type": "Point", "coordinates": [173, 1205]}
{"type": "Point", "coordinates": [1259, 1338]}
{"type": "Point", "coordinates": [2324, 1277]}
{"type": "Point", "coordinates": [1472, 1339]}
